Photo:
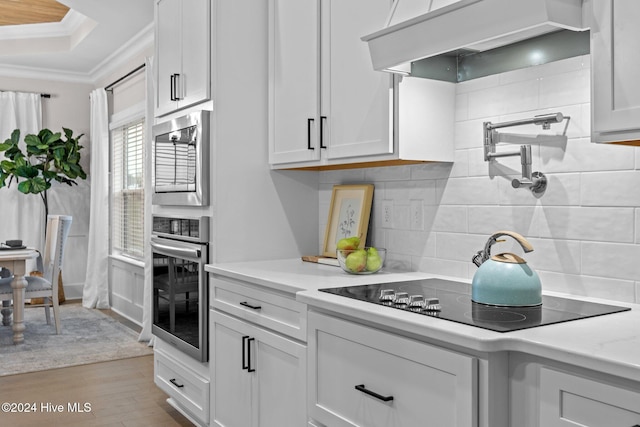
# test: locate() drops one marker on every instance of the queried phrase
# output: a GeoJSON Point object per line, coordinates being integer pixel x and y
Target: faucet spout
{"type": "Point", "coordinates": [483, 255]}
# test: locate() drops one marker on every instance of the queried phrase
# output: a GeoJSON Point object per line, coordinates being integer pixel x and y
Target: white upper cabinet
{"type": "Point", "coordinates": [328, 107]}
{"type": "Point", "coordinates": [183, 40]}
{"type": "Point", "coordinates": [615, 87]}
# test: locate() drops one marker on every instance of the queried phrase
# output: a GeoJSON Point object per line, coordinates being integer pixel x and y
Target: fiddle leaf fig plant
{"type": "Point", "coordinates": [49, 157]}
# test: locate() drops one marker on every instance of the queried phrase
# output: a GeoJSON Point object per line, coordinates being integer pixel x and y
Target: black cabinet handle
{"type": "Point", "coordinates": [172, 86]}
{"type": "Point", "coordinates": [363, 389]}
{"type": "Point", "coordinates": [249, 368]}
{"type": "Point", "coordinates": [253, 307]}
{"type": "Point", "coordinates": [309, 147]}
{"type": "Point", "coordinates": [322, 120]}
{"type": "Point", "coordinates": [244, 352]}
{"type": "Point", "coordinates": [176, 85]}
{"type": "Point", "coordinates": [175, 383]}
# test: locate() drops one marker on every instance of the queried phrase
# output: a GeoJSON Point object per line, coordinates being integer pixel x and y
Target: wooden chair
{"type": "Point", "coordinates": [47, 286]}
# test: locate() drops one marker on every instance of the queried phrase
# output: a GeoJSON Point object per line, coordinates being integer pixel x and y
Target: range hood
{"type": "Point", "coordinates": [470, 25]}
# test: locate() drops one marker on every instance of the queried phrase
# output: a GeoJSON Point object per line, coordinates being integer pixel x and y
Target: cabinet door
{"type": "Point", "coordinates": [356, 100]}
{"type": "Point", "coordinates": [569, 400]}
{"type": "Point", "coordinates": [615, 39]}
{"type": "Point", "coordinates": [231, 397]}
{"type": "Point", "coordinates": [168, 52]}
{"type": "Point", "coordinates": [294, 81]}
{"type": "Point", "coordinates": [280, 383]}
{"type": "Point", "coordinates": [363, 377]}
{"type": "Point", "coordinates": [194, 82]}
{"type": "Point", "coordinates": [259, 377]}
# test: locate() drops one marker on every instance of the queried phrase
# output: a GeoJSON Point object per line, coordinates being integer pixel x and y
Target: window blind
{"type": "Point", "coordinates": [127, 194]}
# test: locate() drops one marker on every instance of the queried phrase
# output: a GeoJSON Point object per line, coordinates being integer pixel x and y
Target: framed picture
{"type": "Point", "coordinates": [348, 215]}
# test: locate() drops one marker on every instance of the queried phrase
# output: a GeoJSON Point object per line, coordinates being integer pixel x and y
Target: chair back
{"type": "Point", "coordinates": [57, 232]}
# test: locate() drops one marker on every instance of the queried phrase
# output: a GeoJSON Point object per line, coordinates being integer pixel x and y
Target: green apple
{"type": "Point", "coordinates": [356, 261]}
{"type": "Point", "coordinates": [374, 262]}
{"type": "Point", "coordinates": [348, 243]}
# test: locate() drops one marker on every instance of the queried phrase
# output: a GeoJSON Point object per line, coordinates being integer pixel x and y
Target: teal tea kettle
{"type": "Point", "coordinates": [505, 279]}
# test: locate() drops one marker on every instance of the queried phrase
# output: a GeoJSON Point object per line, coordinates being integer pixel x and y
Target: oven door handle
{"type": "Point", "coordinates": [175, 252]}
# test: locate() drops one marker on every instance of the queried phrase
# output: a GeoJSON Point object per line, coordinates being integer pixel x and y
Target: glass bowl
{"type": "Point", "coordinates": [367, 260]}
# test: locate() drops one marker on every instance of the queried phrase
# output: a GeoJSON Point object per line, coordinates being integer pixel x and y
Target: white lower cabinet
{"type": "Point", "coordinates": [359, 376]}
{"type": "Point", "coordinates": [259, 376]}
{"type": "Point", "coordinates": [546, 393]}
{"type": "Point", "coordinates": [184, 379]}
{"type": "Point", "coordinates": [570, 400]}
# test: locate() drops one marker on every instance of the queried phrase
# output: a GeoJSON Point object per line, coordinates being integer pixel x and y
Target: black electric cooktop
{"type": "Point", "coordinates": [458, 307]}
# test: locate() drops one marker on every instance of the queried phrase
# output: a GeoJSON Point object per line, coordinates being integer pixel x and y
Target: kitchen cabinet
{"type": "Point", "coordinates": [183, 40]}
{"type": "Point", "coordinates": [259, 368]}
{"type": "Point", "coordinates": [615, 88]}
{"type": "Point", "coordinates": [185, 380]}
{"type": "Point", "coordinates": [359, 376]}
{"type": "Point", "coordinates": [328, 107]}
{"type": "Point", "coordinates": [549, 394]}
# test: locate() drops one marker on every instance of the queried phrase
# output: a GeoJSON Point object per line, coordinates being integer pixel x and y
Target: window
{"type": "Point", "coordinates": [127, 194]}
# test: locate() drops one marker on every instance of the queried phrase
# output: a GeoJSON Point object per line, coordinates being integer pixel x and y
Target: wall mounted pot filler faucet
{"type": "Point", "coordinates": [534, 181]}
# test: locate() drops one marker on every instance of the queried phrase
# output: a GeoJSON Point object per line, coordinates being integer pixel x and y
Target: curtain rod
{"type": "Point", "coordinates": [42, 95]}
{"type": "Point", "coordinates": [129, 74]}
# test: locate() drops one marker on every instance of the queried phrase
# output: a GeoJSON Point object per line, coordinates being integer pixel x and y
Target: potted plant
{"type": "Point", "coordinates": [49, 156]}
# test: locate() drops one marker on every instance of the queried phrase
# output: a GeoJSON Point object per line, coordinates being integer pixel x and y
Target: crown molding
{"type": "Point", "coordinates": [138, 44]}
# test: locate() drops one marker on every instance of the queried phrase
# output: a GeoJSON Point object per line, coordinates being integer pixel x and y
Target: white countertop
{"type": "Point", "coordinates": [609, 343]}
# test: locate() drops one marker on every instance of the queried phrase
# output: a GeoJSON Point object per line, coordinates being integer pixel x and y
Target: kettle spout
{"type": "Point", "coordinates": [483, 255]}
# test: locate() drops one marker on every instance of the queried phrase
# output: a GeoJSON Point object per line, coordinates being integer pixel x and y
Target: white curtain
{"type": "Point", "coordinates": [147, 308]}
{"type": "Point", "coordinates": [96, 287]}
{"type": "Point", "coordinates": [22, 214]}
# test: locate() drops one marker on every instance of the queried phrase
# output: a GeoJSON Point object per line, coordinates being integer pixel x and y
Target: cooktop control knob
{"type": "Point", "coordinates": [402, 298]}
{"type": "Point", "coordinates": [387, 295]}
{"type": "Point", "coordinates": [416, 301]}
{"type": "Point", "coordinates": [432, 304]}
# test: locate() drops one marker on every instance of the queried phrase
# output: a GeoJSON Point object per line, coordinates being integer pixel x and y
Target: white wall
{"type": "Point", "coordinates": [585, 229]}
{"type": "Point", "coordinates": [257, 213]}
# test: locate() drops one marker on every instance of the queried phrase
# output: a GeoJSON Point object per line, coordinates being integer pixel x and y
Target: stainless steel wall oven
{"type": "Point", "coordinates": [180, 173]}
{"type": "Point", "coordinates": [180, 287]}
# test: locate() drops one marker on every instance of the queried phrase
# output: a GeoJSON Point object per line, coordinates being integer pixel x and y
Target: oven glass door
{"type": "Point", "coordinates": [180, 295]}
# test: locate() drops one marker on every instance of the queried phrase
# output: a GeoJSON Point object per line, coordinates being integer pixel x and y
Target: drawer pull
{"type": "Point", "coordinates": [253, 307]}
{"type": "Point", "coordinates": [363, 389]}
{"type": "Point", "coordinates": [175, 383]}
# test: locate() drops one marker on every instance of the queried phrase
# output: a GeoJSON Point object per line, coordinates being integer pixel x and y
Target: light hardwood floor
{"type": "Point", "coordinates": [119, 393]}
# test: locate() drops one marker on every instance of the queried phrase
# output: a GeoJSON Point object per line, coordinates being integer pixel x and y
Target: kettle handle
{"type": "Point", "coordinates": [526, 246]}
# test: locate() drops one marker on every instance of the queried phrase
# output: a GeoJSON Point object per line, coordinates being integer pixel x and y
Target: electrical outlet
{"type": "Point", "coordinates": [387, 214]}
{"type": "Point", "coordinates": [417, 215]}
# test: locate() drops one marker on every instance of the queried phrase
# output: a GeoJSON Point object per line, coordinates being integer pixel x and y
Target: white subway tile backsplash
{"type": "Point", "coordinates": [585, 228]}
{"type": "Point", "coordinates": [593, 287]}
{"type": "Point", "coordinates": [458, 247]}
{"type": "Point", "coordinates": [470, 191]}
{"type": "Point", "coordinates": [565, 89]}
{"type": "Point", "coordinates": [451, 219]}
{"type": "Point", "coordinates": [611, 188]}
{"type": "Point", "coordinates": [585, 223]}
{"type": "Point", "coordinates": [489, 219]}
{"type": "Point", "coordinates": [561, 256]}
{"type": "Point", "coordinates": [581, 155]}
{"type": "Point", "coordinates": [614, 260]}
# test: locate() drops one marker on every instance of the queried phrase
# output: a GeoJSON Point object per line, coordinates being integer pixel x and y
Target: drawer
{"type": "Point", "coordinates": [359, 376]}
{"type": "Point", "coordinates": [278, 312]}
{"type": "Point", "coordinates": [570, 400]}
{"type": "Point", "coordinates": [186, 387]}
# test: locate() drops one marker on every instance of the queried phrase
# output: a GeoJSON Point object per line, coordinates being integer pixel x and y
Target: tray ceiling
{"type": "Point", "coordinates": [19, 12]}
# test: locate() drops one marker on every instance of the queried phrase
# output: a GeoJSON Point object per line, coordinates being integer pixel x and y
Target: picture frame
{"type": "Point", "coordinates": [349, 215]}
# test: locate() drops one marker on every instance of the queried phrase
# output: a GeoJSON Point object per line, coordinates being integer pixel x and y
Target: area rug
{"type": "Point", "coordinates": [87, 336]}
